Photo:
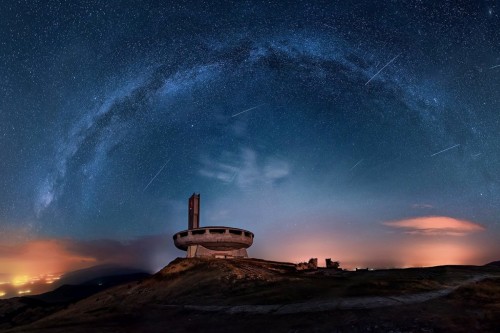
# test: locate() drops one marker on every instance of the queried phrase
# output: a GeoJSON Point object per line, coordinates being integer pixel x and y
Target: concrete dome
{"type": "Point", "coordinates": [214, 238]}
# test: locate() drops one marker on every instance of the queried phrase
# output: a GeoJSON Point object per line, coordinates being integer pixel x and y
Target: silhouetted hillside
{"type": "Point", "coordinates": [494, 263]}
{"type": "Point", "coordinates": [95, 272]}
{"type": "Point", "coordinates": [248, 295]}
{"type": "Point", "coordinates": [24, 310]}
{"type": "Point", "coordinates": [72, 293]}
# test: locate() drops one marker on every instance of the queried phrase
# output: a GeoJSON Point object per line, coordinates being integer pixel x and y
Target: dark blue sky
{"type": "Point", "coordinates": [313, 118]}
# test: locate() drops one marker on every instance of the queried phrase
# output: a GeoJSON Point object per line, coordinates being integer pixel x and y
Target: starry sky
{"type": "Point", "coordinates": [361, 131]}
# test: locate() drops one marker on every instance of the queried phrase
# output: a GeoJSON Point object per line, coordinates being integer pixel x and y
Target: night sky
{"type": "Point", "coordinates": [361, 131]}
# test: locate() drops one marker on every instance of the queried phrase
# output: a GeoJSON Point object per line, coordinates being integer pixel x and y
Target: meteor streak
{"type": "Point", "coordinates": [161, 169]}
{"type": "Point", "coordinates": [442, 151]}
{"type": "Point", "coordinates": [382, 69]}
{"type": "Point", "coordinates": [355, 165]}
{"type": "Point", "coordinates": [255, 107]}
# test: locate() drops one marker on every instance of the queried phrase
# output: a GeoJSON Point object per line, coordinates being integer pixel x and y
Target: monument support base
{"type": "Point", "coordinates": [201, 251]}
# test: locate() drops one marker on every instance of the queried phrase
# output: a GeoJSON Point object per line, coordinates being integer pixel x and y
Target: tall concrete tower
{"type": "Point", "coordinates": [194, 212]}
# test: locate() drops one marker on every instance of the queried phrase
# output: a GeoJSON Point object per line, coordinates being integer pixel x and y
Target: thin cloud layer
{"type": "Point", "coordinates": [244, 168]}
{"type": "Point", "coordinates": [436, 225]}
{"type": "Point", "coordinates": [50, 256]}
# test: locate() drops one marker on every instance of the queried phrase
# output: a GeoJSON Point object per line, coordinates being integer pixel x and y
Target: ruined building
{"type": "Point", "coordinates": [216, 241]}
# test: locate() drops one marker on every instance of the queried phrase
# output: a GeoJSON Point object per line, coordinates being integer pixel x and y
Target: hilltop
{"type": "Point", "coordinates": [246, 295]}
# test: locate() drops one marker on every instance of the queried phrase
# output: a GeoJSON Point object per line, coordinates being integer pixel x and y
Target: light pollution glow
{"type": "Point", "coordinates": [37, 260]}
{"type": "Point", "coordinates": [419, 242]}
{"type": "Point", "coordinates": [424, 241]}
{"type": "Point", "coordinates": [411, 254]}
{"type": "Point", "coordinates": [25, 291]}
{"type": "Point", "coordinates": [22, 280]}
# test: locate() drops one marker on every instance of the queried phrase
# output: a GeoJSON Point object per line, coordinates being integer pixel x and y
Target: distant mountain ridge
{"type": "Point", "coordinates": [494, 263]}
{"type": "Point", "coordinates": [68, 293]}
{"type": "Point", "coordinates": [86, 275]}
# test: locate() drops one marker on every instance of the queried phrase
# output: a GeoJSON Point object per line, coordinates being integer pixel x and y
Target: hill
{"type": "Point", "coordinates": [71, 293]}
{"type": "Point", "coordinates": [19, 311]}
{"type": "Point", "coordinates": [86, 275]}
{"type": "Point", "coordinates": [494, 263]}
{"type": "Point", "coordinates": [249, 295]}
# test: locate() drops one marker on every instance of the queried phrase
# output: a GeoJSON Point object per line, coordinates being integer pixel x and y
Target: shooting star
{"type": "Point", "coordinates": [380, 70]}
{"type": "Point", "coordinates": [161, 169]}
{"type": "Point", "coordinates": [442, 151]}
{"type": "Point", "coordinates": [252, 108]}
{"type": "Point", "coordinates": [355, 165]}
{"type": "Point", "coordinates": [494, 66]}
{"type": "Point", "coordinates": [476, 155]}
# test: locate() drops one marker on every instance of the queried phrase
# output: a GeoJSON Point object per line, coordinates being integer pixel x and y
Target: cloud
{"type": "Point", "coordinates": [244, 168]}
{"type": "Point", "coordinates": [276, 169]}
{"type": "Point", "coordinates": [42, 256]}
{"type": "Point", "coordinates": [422, 206]}
{"type": "Point", "coordinates": [436, 225]}
{"type": "Point", "coordinates": [54, 256]}
{"type": "Point", "coordinates": [147, 252]}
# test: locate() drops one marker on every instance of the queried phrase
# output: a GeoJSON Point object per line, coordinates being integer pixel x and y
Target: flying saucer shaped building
{"type": "Point", "coordinates": [215, 241]}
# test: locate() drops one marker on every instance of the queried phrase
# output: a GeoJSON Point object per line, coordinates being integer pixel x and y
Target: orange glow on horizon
{"type": "Point", "coordinates": [411, 254]}
{"type": "Point", "coordinates": [376, 248]}
{"type": "Point", "coordinates": [39, 260]}
{"type": "Point", "coordinates": [435, 254]}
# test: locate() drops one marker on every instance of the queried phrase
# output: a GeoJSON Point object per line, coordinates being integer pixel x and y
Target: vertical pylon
{"type": "Point", "coordinates": [194, 212]}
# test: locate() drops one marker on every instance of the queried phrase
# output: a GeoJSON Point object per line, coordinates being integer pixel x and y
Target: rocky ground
{"type": "Point", "coordinates": [248, 295]}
